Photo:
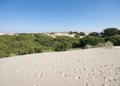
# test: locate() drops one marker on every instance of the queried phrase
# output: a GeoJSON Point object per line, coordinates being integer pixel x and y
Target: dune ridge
{"type": "Point", "coordinates": [89, 67]}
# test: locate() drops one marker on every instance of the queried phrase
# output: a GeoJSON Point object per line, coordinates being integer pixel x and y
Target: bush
{"type": "Point", "coordinates": [101, 45]}
{"type": "Point", "coordinates": [88, 46]}
{"type": "Point", "coordinates": [91, 40]}
{"type": "Point", "coordinates": [62, 39]}
{"type": "Point", "coordinates": [110, 32]}
{"type": "Point", "coordinates": [109, 44]}
{"type": "Point", "coordinates": [62, 43]}
{"type": "Point", "coordinates": [21, 37]}
{"type": "Point", "coordinates": [82, 34]}
{"type": "Point", "coordinates": [63, 46]}
{"type": "Point", "coordinates": [94, 34]}
{"type": "Point", "coordinates": [21, 44]}
{"type": "Point", "coordinates": [77, 36]}
{"type": "Point", "coordinates": [44, 40]}
{"type": "Point", "coordinates": [114, 39]}
{"type": "Point", "coordinates": [119, 32]}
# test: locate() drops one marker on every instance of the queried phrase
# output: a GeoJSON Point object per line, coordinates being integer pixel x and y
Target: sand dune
{"type": "Point", "coordinates": [89, 67]}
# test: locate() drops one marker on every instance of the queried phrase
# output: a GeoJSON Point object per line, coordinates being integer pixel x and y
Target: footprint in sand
{"type": "Point", "coordinates": [87, 84]}
{"type": "Point", "coordinates": [119, 68]}
{"type": "Point", "coordinates": [83, 69]}
{"type": "Point", "coordinates": [37, 69]}
{"type": "Point", "coordinates": [103, 65]}
{"type": "Point", "coordinates": [96, 71]}
{"type": "Point", "coordinates": [63, 75]}
{"type": "Point", "coordinates": [67, 67]}
{"type": "Point", "coordinates": [104, 84]}
{"type": "Point", "coordinates": [99, 72]}
{"type": "Point", "coordinates": [108, 79]}
{"type": "Point", "coordinates": [79, 60]}
{"type": "Point", "coordinates": [55, 62]}
{"type": "Point", "coordinates": [40, 75]}
{"type": "Point", "coordinates": [77, 77]}
{"type": "Point", "coordinates": [51, 67]}
{"type": "Point", "coordinates": [78, 69]}
{"type": "Point", "coordinates": [91, 60]}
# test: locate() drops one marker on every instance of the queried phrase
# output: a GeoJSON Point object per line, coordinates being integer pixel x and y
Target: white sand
{"type": "Point", "coordinates": [90, 67]}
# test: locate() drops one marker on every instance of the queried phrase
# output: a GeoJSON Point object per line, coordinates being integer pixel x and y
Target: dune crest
{"type": "Point", "coordinates": [89, 67]}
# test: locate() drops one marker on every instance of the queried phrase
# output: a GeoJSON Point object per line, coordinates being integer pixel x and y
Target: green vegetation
{"type": "Point", "coordinates": [110, 32]}
{"type": "Point", "coordinates": [82, 34]}
{"type": "Point", "coordinates": [94, 34]}
{"type": "Point", "coordinates": [21, 44]}
{"type": "Point", "coordinates": [114, 39]}
{"type": "Point", "coordinates": [91, 40]}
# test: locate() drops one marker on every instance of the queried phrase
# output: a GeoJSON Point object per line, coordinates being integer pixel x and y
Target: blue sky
{"type": "Point", "coordinates": [58, 15]}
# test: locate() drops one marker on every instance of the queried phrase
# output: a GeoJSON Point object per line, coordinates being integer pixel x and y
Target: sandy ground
{"type": "Point", "coordinates": [89, 67]}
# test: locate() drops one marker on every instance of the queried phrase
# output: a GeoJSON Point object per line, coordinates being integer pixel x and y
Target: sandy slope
{"type": "Point", "coordinates": [90, 67]}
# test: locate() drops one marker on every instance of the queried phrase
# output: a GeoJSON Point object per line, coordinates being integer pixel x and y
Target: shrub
{"type": "Point", "coordinates": [88, 46]}
{"type": "Point", "coordinates": [114, 39]}
{"type": "Point", "coordinates": [62, 43]}
{"type": "Point", "coordinates": [77, 36]}
{"type": "Point", "coordinates": [62, 39]}
{"type": "Point", "coordinates": [63, 46]}
{"type": "Point", "coordinates": [21, 37]}
{"type": "Point", "coordinates": [101, 45]}
{"type": "Point", "coordinates": [94, 34]}
{"type": "Point", "coordinates": [82, 34]}
{"type": "Point", "coordinates": [108, 43]}
{"type": "Point", "coordinates": [44, 40]}
{"type": "Point", "coordinates": [109, 32]}
{"type": "Point", "coordinates": [91, 40]}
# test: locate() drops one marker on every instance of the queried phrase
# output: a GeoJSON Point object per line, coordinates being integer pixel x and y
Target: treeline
{"type": "Point", "coordinates": [22, 44]}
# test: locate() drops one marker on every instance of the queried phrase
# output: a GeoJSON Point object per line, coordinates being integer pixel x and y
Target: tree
{"type": "Point", "coordinates": [82, 34]}
{"type": "Point", "coordinates": [114, 39]}
{"type": "Point", "coordinates": [77, 35]}
{"type": "Point", "coordinates": [109, 32]}
{"type": "Point", "coordinates": [94, 34]}
{"type": "Point", "coordinates": [70, 32]}
{"type": "Point", "coordinates": [91, 40]}
{"type": "Point", "coordinates": [118, 32]}
{"type": "Point", "coordinates": [75, 32]}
